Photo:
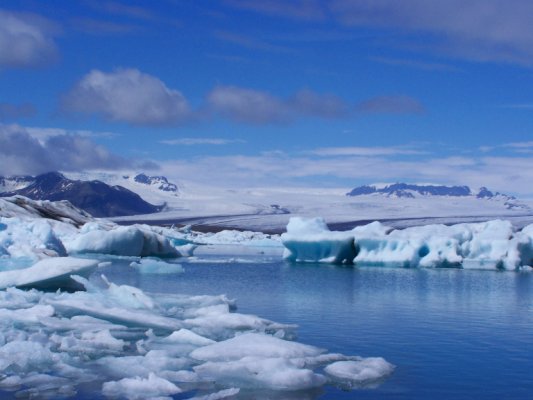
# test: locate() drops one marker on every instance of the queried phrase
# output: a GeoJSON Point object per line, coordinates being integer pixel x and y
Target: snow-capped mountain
{"type": "Point", "coordinates": [413, 190]}
{"type": "Point", "coordinates": [96, 197]}
{"type": "Point", "coordinates": [410, 190]}
{"type": "Point", "coordinates": [159, 182]}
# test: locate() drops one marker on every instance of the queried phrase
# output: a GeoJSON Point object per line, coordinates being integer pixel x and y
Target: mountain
{"type": "Point", "coordinates": [411, 191]}
{"type": "Point", "coordinates": [94, 197]}
{"type": "Point", "coordinates": [159, 182]}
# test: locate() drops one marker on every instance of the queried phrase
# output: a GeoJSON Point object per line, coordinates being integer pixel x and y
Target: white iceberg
{"type": "Point", "coordinates": [492, 244]}
{"type": "Point", "coordinates": [310, 240]}
{"type": "Point", "coordinates": [134, 241]}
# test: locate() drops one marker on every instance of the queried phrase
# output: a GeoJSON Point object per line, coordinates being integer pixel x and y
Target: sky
{"type": "Point", "coordinates": [239, 93]}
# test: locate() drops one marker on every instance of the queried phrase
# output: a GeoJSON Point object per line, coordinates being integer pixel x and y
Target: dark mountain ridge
{"type": "Point", "coordinates": [410, 190]}
{"type": "Point", "coordinates": [94, 197]}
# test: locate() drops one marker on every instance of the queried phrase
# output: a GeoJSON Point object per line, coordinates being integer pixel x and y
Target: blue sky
{"type": "Point", "coordinates": [241, 93]}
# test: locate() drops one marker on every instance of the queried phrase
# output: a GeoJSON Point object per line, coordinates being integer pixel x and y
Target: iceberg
{"type": "Point", "coordinates": [134, 241]}
{"type": "Point", "coordinates": [492, 244]}
{"type": "Point", "coordinates": [310, 240]}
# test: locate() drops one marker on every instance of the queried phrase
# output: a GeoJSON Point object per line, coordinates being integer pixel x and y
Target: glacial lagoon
{"type": "Point", "coordinates": [451, 333]}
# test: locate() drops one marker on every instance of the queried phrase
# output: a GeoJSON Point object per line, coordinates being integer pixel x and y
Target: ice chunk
{"type": "Point", "coordinates": [254, 345]}
{"type": "Point", "coordinates": [34, 239]}
{"type": "Point", "coordinates": [359, 372]}
{"type": "Point", "coordinates": [154, 266]}
{"type": "Point", "coordinates": [258, 361]}
{"type": "Point", "coordinates": [122, 241]}
{"type": "Point", "coordinates": [220, 395]}
{"type": "Point", "coordinates": [310, 240]}
{"type": "Point", "coordinates": [261, 373]}
{"type": "Point", "coordinates": [139, 388]}
{"type": "Point", "coordinates": [51, 273]}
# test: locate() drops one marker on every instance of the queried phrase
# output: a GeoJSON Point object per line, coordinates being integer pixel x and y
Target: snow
{"type": "Point", "coordinates": [492, 244]}
{"type": "Point", "coordinates": [252, 209]}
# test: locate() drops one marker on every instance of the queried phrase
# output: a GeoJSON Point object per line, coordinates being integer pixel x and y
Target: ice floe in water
{"type": "Point", "coordinates": [124, 343]}
{"type": "Point", "coordinates": [51, 273]}
{"type": "Point", "coordinates": [492, 244]}
{"type": "Point", "coordinates": [155, 266]}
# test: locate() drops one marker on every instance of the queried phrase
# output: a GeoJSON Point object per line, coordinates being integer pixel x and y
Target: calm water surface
{"type": "Point", "coordinates": [452, 334]}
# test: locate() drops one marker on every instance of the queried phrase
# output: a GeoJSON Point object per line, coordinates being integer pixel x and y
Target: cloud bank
{"type": "Point", "coordinates": [24, 151]}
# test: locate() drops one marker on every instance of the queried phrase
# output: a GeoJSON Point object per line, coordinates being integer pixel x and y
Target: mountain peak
{"type": "Point", "coordinates": [407, 190]}
{"type": "Point", "coordinates": [159, 181]}
{"type": "Point", "coordinates": [95, 197]}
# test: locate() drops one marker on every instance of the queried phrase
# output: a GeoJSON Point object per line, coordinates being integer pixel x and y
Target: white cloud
{"type": "Point", "coordinates": [128, 95]}
{"type": "Point", "coordinates": [247, 105]}
{"type": "Point", "coordinates": [199, 141]}
{"type": "Point", "coordinates": [37, 150]}
{"type": "Point", "coordinates": [259, 107]}
{"type": "Point", "coordinates": [26, 40]}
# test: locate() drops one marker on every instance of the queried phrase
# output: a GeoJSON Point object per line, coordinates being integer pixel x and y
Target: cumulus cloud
{"type": "Point", "coordinates": [127, 95]}
{"type": "Point", "coordinates": [26, 40]}
{"type": "Point", "coordinates": [22, 151]}
{"type": "Point", "coordinates": [259, 107]}
{"type": "Point", "coordinates": [391, 105]}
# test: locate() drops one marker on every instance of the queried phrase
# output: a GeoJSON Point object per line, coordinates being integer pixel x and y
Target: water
{"type": "Point", "coordinates": [451, 333]}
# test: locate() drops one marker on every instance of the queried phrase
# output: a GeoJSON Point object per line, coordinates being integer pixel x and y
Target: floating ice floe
{"type": "Point", "coordinates": [121, 342]}
{"type": "Point", "coordinates": [155, 266]}
{"type": "Point", "coordinates": [492, 244]}
{"type": "Point", "coordinates": [51, 274]}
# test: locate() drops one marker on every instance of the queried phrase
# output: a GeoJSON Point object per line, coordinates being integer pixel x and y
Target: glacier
{"type": "Point", "coordinates": [492, 244]}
